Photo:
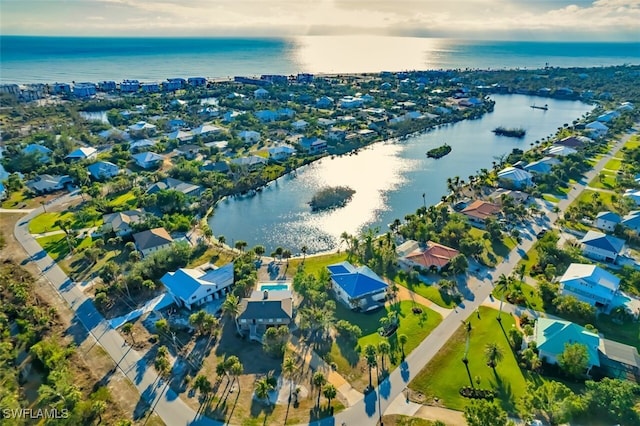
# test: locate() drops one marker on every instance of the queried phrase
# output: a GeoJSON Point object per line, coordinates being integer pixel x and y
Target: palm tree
{"type": "Point", "coordinates": [288, 368]}
{"type": "Point", "coordinates": [236, 370]}
{"type": "Point", "coordinates": [304, 250]}
{"type": "Point", "coordinates": [263, 387]}
{"type": "Point", "coordinates": [402, 339]}
{"type": "Point", "coordinates": [241, 245]}
{"type": "Point", "coordinates": [329, 392]}
{"type": "Point", "coordinates": [370, 357]}
{"type": "Point", "coordinates": [319, 380]}
{"type": "Point", "coordinates": [128, 330]}
{"type": "Point", "coordinates": [384, 348]}
{"type": "Point", "coordinates": [493, 355]}
{"type": "Point", "coordinates": [202, 385]}
{"type": "Point", "coordinates": [231, 307]}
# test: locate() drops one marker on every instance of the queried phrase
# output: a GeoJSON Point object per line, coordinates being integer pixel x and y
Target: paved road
{"type": "Point", "coordinates": [166, 403]}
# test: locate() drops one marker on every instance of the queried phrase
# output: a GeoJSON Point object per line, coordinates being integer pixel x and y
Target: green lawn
{"type": "Point", "coordinates": [427, 291]}
{"type": "Point", "coordinates": [530, 259]}
{"type": "Point", "coordinates": [633, 142]}
{"type": "Point", "coordinates": [127, 199]}
{"type": "Point", "coordinates": [613, 164]}
{"type": "Point", "coordinates": [608, 181]}
{"type": "Point", "coordinates": [314, 264]}
{"type": "Point", "coordinates": [495, 251]}
{"type": "Point", "coordinates": [46, 222]}
{"type": "Point", "coordinates": [550, 198]}
{"type": "Point", "coordinates": [587, 197]}
{"type": "Point", "coordinates": [56, 245]}
{"type": "Point", "coordinates": [445, 374]}
{"type": "Point", "coordinates": [415, 326]}
{"type": "Point", "coordinates": [15, 200]}
{"type": "Point", "coordinates": [531, 296]}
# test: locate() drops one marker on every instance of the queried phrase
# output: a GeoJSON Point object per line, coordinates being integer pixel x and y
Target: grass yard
{"type": "Point", "coordinates": [530, 259]}
{"type": "Point", "coordinates": [15, 200]}
{"type": "Point", "coordinates": [532, 299]}
{"type": "Point", "coordinates": [495, 251]}
{"type": "Point", "coordinates": [400, 420]}
{"type": "Point", "coordinates": [427, 291]}
{"type": "Point", "coordinates": [608, 181]}
{"type": "Point", "coordinates": [613, 164]}
{"type": "Point", "coordinates": [633, 142]}
{"type": "Point", "coordinates": [314, 264]}
{"type": "Point", "coordinates": [56, 245]}
{"type": "Point", "coordinates": [587, 197]}
{"type": "Point", "coordinates": [215, 255]}
{"type": "Point", "coordinates": [347, 357]}
{"type": "Point", "coordinates": [445, 374]}
{"type": "Point", "coordinates": [46, 222]}
{"type": "Point", "coordinates": [629, 333]}
{"type": "Point", "coordinates": [127, 200]}
{"type": "Point", "coordinates": [550, 198]}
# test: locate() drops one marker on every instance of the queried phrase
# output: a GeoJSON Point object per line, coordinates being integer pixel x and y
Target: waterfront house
{"type": "Point", "coordinates": [120, 222]}
{"type": "Point", "coordinates": [261, 93]}
{"type": "Point", "coordinates": [264, 309]}
{"type": "Point", "coordinates": [181, 136]}
{"type": "Point", "coordinates": [249, 136]}
{"type": "Point", "coordinates": [44, 184]}
{"type": "Point", "coordinates": [42, 152]}
{"type": "Point", "coordinates": [129, 86]}
{"type": "Point", "coordinates": [152, 240]}
{"type": "Point", "coordinates": [192, 288]}
{"type": "Point", "coordinates": [608, 116]}
{"type": "Point", "coordinates": [103, 170]}
{"type": "Point", "coordinates": [479, 211]}
{"type": "Point", "coordinates": [501, 194]}
{"type": "Point", "coordinates": [142, 145]}
{"type": "Point", "coordinates": [575, 142]}
{"type": "Point", "coordinates": [251, 162]}
{"type": "Point", "coordinates": [313, 145]}
{"type": "Point", "coordinates": [542, 166]}
{"type": "Point", "coordinates": [597, 129]}
{"type": "Point", "coordinates": [513, 178]}
{"type": "Point", "coordinates": [197, 81]}
{"type": "Point", "coordinates": [560, 151]}
{"type": "Point", "coordinates": [632, 221]}
{"type": "Point", "coordinates": [84, 90]}
{"type": "Point", "coordinates": [60, 88]}
{"type": "Point", "coordinates": [336, 134]}
{"type": "Point", "coordinates": [80, 154]}
{"type": "Point", "coordinates": [590, 284]}
{"type": "Point", "coordinates": [358, 288]}
{"type": "Point", "coordinates": [551, 337]}
{"type": "Point", "coordinates": [633, 194]}
{"type": "Point", "coordinates": [324, 102]}
{"type": "Point", "coordinates": [148, 160]}
{"type": "Point", "coordinates": [607, 221]}
{"type": "Point", "coordinates": [280, 152]}
{"type": "Point", "coordinates": [172, 184]}
{"type": "Point", "coordinates": [599, 246]}
{"type": "Point", "coordinates": [432, 256]}
{"type": "Point", "coordinates": [173, 84]}
{"type": "Point", "coordinates": [107, 86]}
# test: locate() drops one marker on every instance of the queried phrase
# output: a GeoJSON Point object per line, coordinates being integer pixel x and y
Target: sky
{"type": "Point", "coordinates": [575, 20]}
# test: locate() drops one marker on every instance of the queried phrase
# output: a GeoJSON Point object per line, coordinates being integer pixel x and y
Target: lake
{"type": "Point", "coordinates": [389, 178]}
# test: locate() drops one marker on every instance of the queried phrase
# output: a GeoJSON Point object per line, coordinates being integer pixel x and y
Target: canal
{"type": "Point", "coordinates": [389, 178]}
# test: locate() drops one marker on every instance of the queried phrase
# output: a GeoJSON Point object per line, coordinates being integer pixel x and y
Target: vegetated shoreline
{"type": "Point", "coordinates": [331, 197]}
{"type": "Point", "coordinates": [439, 152]}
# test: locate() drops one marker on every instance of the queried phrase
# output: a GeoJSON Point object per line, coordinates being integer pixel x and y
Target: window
{"type": "Point", "coordinates": [279, 320]}
{"type": "Point", "coordinates": [193, 297]}
{"type": "Point", "coordinates": [270, 319]}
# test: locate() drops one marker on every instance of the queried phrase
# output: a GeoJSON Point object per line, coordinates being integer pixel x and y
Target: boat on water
{"type": "Point", "coordinates": [545, 107]}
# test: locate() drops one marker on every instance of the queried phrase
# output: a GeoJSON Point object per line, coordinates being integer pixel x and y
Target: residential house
{"type": "Point", "coordinates": [326, 122]}
{"type": "Point", "coordinates": [193, 288]}
{"type": "Point", "coordinates": [281, 152]}
{"type": "Point", "coordinates": [597, 129]}
{"type": "Point", "coordinates": [261, 93]}
{"type": "Point", "coordinates": [178, 104]}
{"type": "Point", "coordinates": [229, 116]}
{"type": "Point", "coordinates": [336, 134]}
{"type": "Point", "coordinates": [324, 102]}
{"type": "Point", "coordinates": [599, 246]}
{"type": "Point", "coordinates": [173, 84]}
{"type": "Point", "coordinates": [313, 145]}
{"type": "Point", "coordinates": [350, 102]}
{"type": "Point", "coordinates": [118, 134]}
{"type": "Point", "coordinates": [84, 90]}
{"type": "Point", "coordinates": [142, 145]}
{"type": "Point", "coordinates": [103, 170]}
{"type": "Point", "coordinates": [107, 86]}
{"type": "Point", "coordinates": [607, 221]}
{"type": "Point", "coordinates": [43, 153]}
{"type": "Point", "coordinates": [358, 288]}
{"type": "Point", "coordinates": [129, 86]}
{"type": "Point", "coordinates": [188, 151]}
{"type": "Point", "coordinates": [141, 126]}
{"type": "Point", "coordinates": [181, 136]}
{"type": "Point", "coordinates": [120, 222]}
{"type": "Point", "coordinates": [176, 123]}
{"type": "Point", "coordinates": [217, 166]}
{"type": "Point", "coordinates": [197, 81]}
{"type": "Point", "coordinates": [626, 106]}
{"type": "Point", "coordinates": [44, 184]}
{"type": "Point", "coordinates": [479, 211]}
{"type": "Point", "coordinates": [632, 221]}
{"type": "Point", "coordinates": [249, 136]}
{"type": "Point", "coordinates": [152, 240]}
{"type": "Point", "coordinates": [3, 192]}
{"type": "Point", "coordinates": [513, 178]}
{"type": "Point", "coordinates": [285, 113]}
{"type": "Point", "coordinates": [251, 162]}
{"type": "Point", "coordinates": [60, 88]}
{"type": "Point", "coordinates": [264, 309]}
{"type": "Point", "coordinates": [633, 194]}
{"type": "Point", "coordinates": [432, 256]}
{"type": "Point", "coordinates": [169, 183]}
{"type": "Point", "coordinates": [148, 160]}
{"type": "Point", "coordinates": [542, 166]}
{"type": "Point", "coordinates": [500, 194]}
{"type": "Point", "coordinates": [266, 116]}
{"type": "Point", "coordinates": [590, 284]}
{"type": "Point", "coordinates": [608, 116]}
{"type": "Point", "coordinates": [560, 151]}
{"type": "Point", "coordinates": [619, 361]}
{"type": "Point", "coordinates": [206, 129]}
{"type": "Point", "coordinates": [574, 141]}
{"type": "Point", "coordinates": [551, 337]}
{"type": "Point", "coordinates": [299, 125]}
{"type": "Point", "coordinates": [84, 153]}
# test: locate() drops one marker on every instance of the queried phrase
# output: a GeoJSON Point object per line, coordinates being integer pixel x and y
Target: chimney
{"type": "Point", "coordinates": [265, 295]}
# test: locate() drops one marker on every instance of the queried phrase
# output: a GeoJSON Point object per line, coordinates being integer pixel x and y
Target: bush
{"type": "Point", "coordinates": [477, 393]}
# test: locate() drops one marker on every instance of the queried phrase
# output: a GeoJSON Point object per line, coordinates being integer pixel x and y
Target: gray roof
{"type": "Point", "coordinates": [152, 238]}
{"type": "Point", "coordinates": [119, 219]}
{"type": "Point", "coordinates": [620, 352]}
{"type": "Point", "coordinates": [176, 185]}
{"type": "Point", "coordinates": [278, 304]}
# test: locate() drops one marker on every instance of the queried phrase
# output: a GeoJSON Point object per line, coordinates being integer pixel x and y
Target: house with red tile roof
{"type": "Point", "coordinates": [432, 255]}
{"type": "Point", "coordinates": [479, 211]}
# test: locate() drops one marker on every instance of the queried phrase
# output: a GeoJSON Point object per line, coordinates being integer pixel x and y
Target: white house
{"type": "Point", "coordinates": [103, 170]}
{"type": "Point", "coordinates": [195, 287]}
{"type": "Point", "coordinates": [350, 102]}
{"type": "Point", "coordinates": [542, 166]}
{"type": "Point", "coordinates": [633, 194]}
{"type": "Point", "coordinates": [590, 283]}
{"type": "Point", "coordinates": [560, 150]}
{"type": "Point", "coordinates": [152, 240]}
{"type": "Point", "coordinates": [148, 160]}
{"type": "Point", "coordinates": [120, 222]}
{"type": "Point", "coordinates": [44, 184]}
{"type": "Point", "coordinates": [206, 129]}
{"type": "Point", "coordinates": [281, 152]}
{"type": "Point", "coordinates": [511, 177]}
{"type": "Point", "coordinates": [229, 116]}
{"type": "Point", "coordinates": [607, 221]}
{"type": "Point", "coordinates": [180, 135]}
{"type": "Point", "coordinates": [249, 136]}
{"type": "Point", "coordinates": [597, 129]}
{"type": "Point", "coordinates": [299, 125]}
{"type": "Point", "coordinates": [142, 126]}
{"type": "Point", "coordinates": [632, 221]}
{"type": "Point", "coordinates": [358, 288]}
{"type": "Point", "coordinates": [84, 153]}
{"type": "Point", "coordinates": [250, 162]}
{"type": "Point", "coordinates": [599, 246]}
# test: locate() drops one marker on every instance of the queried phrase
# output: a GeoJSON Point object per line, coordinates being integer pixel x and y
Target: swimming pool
{"type": "Point", "coordinates": [273, 287]}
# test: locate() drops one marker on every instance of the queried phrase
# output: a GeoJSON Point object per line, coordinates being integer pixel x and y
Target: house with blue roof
{"type": "Point", "coordinates": [590, 284]}
{"type": "Point", "coordinates": [607, 220]}
{"type": "Point", "coordinates": [632, 221]}
{"type": "Point", "coordinates": [599, 246]}
{"type": "Point", "coordinates": [43, 153]}
{"type": "Point", "coordinates": [552, 336]}
{"type": "Point", "coordinates": [196, 287]}
{"type": "Point", "coordinates": [358, 288]}
{"type": "Point", "coordinates": [103, 170]}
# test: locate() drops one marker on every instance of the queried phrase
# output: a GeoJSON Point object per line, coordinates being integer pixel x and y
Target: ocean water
{"type": "Point", "coordinates": [67, 59]}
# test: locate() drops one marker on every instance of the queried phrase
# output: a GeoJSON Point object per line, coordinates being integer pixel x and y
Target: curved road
{"type": "Point", "coordinates": [368, 410]}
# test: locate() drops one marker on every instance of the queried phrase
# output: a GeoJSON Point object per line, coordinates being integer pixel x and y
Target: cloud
{"type": "Point", "coordinates": [452, 18]}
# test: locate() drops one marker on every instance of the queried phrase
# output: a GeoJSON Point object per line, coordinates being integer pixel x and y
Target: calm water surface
{"type": "Point", "coordinates": [389, 179]}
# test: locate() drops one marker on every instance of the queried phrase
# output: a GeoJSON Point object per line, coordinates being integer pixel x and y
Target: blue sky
{"type": "Point", "coordinates": [482, 19]}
